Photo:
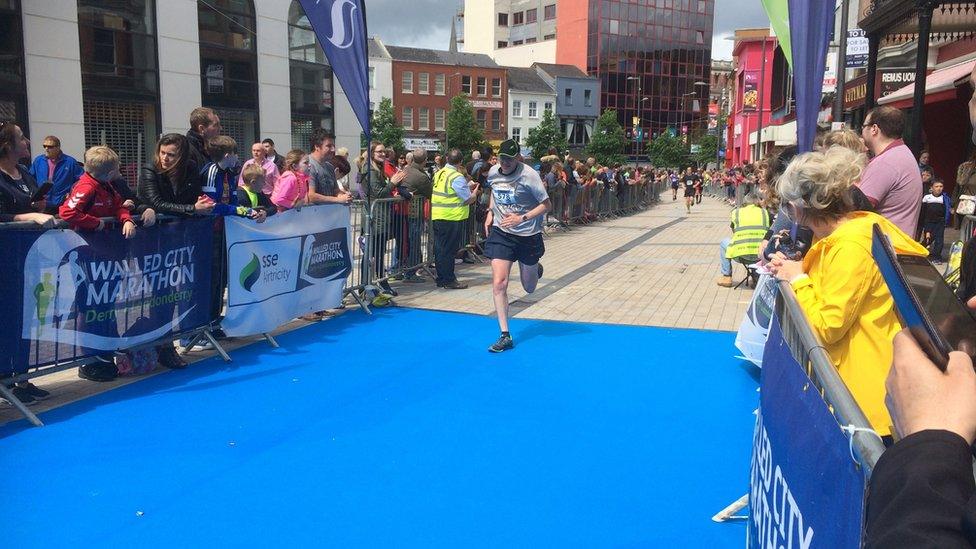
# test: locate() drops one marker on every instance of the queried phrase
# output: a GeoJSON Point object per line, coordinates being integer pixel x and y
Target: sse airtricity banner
{"type": "Point", "coordinates": [293, 264]}
{"type": "Point", "coordinates": [805, 491]}
{"type": "Point", "coordinates": [72, 294]}
{"type": "Point", "coordinates": [751, 337]}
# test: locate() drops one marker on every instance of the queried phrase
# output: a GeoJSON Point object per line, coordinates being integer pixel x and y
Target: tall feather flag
{"type": "Point", "coordinates": [779, 18]}
{"type": "Point", "coordinates": [340, 26]}
{"type": "Point", "coordinates": [810, 24]}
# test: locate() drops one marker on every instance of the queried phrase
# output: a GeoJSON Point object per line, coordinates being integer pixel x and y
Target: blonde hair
{"type": "Point", "coordinates": [844, 138]}
{"type": "Point", "coordinates": [101, 161]}
{"type": "Point", "coordinates": [820, 182]}
{"type": "Point", "coordinates": [293, 159]}
{"type": "Point", "coordinates": [342, 151]}
{"type": "Point", "coordinates": [251, 173]}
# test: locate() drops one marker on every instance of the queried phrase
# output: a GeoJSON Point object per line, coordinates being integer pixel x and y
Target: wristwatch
{"type": "Point", "coordinates": [524, 218]}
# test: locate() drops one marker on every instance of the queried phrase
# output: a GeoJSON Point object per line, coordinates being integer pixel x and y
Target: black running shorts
{"type": "Point", "coordinates": [510, 247]}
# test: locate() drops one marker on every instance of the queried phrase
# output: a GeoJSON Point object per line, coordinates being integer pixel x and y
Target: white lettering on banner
{"type": "Point", "coordinates": [775, 515]}
{"type": "Point", "coordinates": [122, 281]}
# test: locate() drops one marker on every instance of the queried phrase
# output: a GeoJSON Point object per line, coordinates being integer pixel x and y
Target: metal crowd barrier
{"type": "Point", "coordinates": [967, 228]}
{"type": "Point", "coordinates": [809, 352]}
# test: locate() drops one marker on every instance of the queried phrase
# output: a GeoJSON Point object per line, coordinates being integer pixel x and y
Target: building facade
{"type": "Point", "coordinates": [515, 33]}
{"type": "Point", "coordinates": [643, 48]}
{"type": "Point", "coordinates": [128, 71]}
{"type": "Point", "coordinates": [380, 73]}
{"type": "Point", "coordinates": [424, 81]}
{"type": "Point", "coordinates": [577, 101]}
{"type": "Point", "coordinates": [751, 98]}
{"type": "Point", "coordinates": [529, 97]}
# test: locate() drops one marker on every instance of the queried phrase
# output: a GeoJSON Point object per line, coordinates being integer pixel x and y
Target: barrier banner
{"type": "Point", "coordinates": [751, 338]}
{"type": "Point", "coordinates": [293, 264]}
{"type": "Point", "coordinates": [804, 488]}
{"type": "Point", "coordinates": [74, 294]}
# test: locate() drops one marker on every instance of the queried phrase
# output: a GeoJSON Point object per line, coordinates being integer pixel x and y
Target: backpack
{"type": "Point", "coordinates": [137, 362]}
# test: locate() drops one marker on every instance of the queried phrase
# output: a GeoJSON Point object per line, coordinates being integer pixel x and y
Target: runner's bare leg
{"type": "Point", "coordinates": [500, 271]}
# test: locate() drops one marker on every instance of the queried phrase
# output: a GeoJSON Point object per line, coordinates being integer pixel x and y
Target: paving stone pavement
{"type": "Point", "coordinates": [652, 268]}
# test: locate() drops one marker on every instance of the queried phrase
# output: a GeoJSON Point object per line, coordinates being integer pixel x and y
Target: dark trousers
{"type": "Point", "coordinates": [448, 237]}
{"type": "Point", "coordinates": [937, 230]}
{"type": "Point", "coordinates": [218, 276]}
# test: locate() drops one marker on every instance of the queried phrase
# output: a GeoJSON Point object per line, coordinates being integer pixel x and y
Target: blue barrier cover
{"type": "Point", "coordinates": [74, 294]}
{"type": "Point", "coordinates": [804, 488]}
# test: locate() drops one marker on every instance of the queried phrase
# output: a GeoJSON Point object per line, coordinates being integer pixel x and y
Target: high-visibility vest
{"type": "Point", "coordinates": [445, 204]}
{"type": "Point", "coordinates": [751, 223]}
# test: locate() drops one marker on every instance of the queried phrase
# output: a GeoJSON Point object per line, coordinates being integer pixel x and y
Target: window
{"type": "Point", "coordinates": [530, 40]}
{"type": "Point", "coordinates": [587, 99]}
{"type": "Point", "coordinates": [502, 19]}
{"type": "Point", "coordinates": [408, 118]}
{"type": "Point", "coordinates": [533, 110]}
{"type": "Point", "coordinates": [423, 83]}
{"type": "Point", "coordinates": [439, 120]}
{"type": "Point", "coordinates": [496, 120]}
{"type": "Point", "coordinates": [407, 82]}
{"type": "Point", "coordinates": [482, 86]}
{"type": "Point", "coordinates": [311, 81]}
{"type": "Point", "coordinates": [699, 37]}
{"type": "Point", "coordinates": [549, 37]}
{"type": "Point", "coordinates": [502, 44]}
{"type": "Point", "coordinates": [518, 18]}
{"type": "Point", "coordinates": [549, 12]}
{"type": "Point", "coordinates": [517, 43]}
{"type": "Point", "coordinates": [120, 96]}
{"type": "Point", "coordinates": [517, 134]}
{"type": "Point", "coordinates": [482, 122]}
{"type": "Point", "coordinates": [372, 78]}
{"type": "Point", "coordinates": [548, 106]}
{"type": "Point", "coordinates": [532, 15]}
{"type": "Point", "coordinates": [423, 119]}
{"type": "Point", "coordinates": [517, 108]}
{"type": "Point", "coordinates": [568, 94]}
{"type": "Point", "coordinates": [466, 85]}
{"type": "Point", "coordinates": [496, 87]}
{"type": "Point", "coordinates": [439, 84]}
{"type": "Point", "coordinates": [13, 92]}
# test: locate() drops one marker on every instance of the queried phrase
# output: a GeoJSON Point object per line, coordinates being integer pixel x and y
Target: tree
{"type": "Point", "coordinates": [667, 151]}
{"type": "Point", "coordinates": [608, 142]}
{"type": "Point", "coordinates": [546, 136]}
{"type": "Point", "coordinates": [385, 126]}
{"type": "Point", "coordinates": [463, 131]}
{"type": "Point", "coordinates": [708, 148]}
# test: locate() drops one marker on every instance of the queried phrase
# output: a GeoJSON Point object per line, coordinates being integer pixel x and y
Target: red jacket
{"type": "Point", "coordinates": [89, 200]}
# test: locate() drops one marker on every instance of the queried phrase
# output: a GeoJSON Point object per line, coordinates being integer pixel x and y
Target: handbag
{"type": "Point", "coordinates": [967, 205]}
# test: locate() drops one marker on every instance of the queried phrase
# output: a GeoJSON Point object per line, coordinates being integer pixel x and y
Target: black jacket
{"type": "Point", "coordinates": [922, 494]}
{"type": "Point", "coordinates": [198, 149]}
{"type": "Point", "coordinates": [157, 192]}
{"type": "Point", "coordinates": [15, 196]}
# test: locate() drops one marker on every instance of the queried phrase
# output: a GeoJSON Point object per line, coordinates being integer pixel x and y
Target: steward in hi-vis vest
{"type": "Point", "coordinates": [445, 204]}
{"type": "Point", "coordinates": [749, 226]}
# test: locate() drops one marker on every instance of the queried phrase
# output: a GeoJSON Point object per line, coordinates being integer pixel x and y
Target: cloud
{"type": "Point", "coordinates": [419, 23]}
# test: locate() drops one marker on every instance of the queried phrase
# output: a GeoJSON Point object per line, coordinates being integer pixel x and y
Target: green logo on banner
{"type": "Point", "coordinates": [250, 273]}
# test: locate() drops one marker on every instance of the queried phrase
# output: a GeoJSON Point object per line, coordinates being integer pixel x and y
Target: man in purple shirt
{"type": "Point", "coordinates": [891, 181]}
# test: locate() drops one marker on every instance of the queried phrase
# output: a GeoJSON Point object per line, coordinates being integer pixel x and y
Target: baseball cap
{"type": "Point", "coordinates": [509, 148]}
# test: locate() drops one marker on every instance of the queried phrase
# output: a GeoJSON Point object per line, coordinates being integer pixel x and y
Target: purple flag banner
{"type": "Point", "coordinates": [340, 26]}
{"type": "Point", "coordinates": [811, 22]}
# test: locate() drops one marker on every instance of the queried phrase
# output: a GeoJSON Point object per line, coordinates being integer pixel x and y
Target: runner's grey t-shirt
{"type": "Point", "coordinates": [518, 193]}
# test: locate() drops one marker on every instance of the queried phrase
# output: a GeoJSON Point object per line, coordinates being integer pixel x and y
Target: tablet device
{"type": "Point", "coordinates": [926, 305]}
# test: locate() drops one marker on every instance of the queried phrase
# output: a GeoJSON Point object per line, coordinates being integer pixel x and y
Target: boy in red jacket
{"type": "Point", "coordinates": [93, 196]}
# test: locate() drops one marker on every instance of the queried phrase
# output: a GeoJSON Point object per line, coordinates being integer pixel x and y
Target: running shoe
{"type": "Point", "coordinates": [23, 395]}
{"type": "Point", "coordinates": [504, 343]}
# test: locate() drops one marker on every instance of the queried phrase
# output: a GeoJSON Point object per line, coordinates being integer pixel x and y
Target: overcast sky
{"type": "Point", "coordinates": [426, 24]}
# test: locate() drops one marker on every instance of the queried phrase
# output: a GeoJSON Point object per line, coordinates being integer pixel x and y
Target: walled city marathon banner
{"type": "Point", "coordinates": [74, 294]}
{"type": "Point", "coordinates": [804, 489]}
{"type": "Point", "coordinates": [293, 264]}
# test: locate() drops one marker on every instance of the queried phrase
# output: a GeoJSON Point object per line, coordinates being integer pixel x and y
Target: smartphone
{"type": "Point", "coordinates": [42, 191]}
{"type": "Point", "coordinates": [926, 305]}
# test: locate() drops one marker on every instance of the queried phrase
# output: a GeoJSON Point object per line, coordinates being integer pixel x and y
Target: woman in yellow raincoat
{"type": "Point", "coordinates": [838, 283]}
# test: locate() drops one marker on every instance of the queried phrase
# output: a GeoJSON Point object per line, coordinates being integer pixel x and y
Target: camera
{"type": "Point", "coordinates": [792, 243]}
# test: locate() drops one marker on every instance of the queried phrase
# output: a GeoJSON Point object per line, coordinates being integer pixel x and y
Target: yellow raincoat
{"type": "Point", "coordinates": [849, 307]}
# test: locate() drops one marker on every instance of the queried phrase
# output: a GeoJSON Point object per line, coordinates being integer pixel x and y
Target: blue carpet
{"type": "Point", "coordinates": [401, 430]}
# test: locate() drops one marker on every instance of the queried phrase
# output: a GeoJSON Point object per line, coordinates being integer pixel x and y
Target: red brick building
{"type": "Point", "coordinates": [424, 81]}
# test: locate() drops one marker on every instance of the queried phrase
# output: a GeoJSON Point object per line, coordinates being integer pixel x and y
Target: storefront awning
{"type": "Point", "coordinates": [940, 85]}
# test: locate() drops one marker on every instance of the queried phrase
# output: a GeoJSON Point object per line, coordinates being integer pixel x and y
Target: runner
{"type": "Point", "coordinates": [674, 185]}
{"type": "Point", "coordinates": [514, 225]}
{"type": "Point", "coordinates": [699, 183]}
{"type": "Point", "coordinates": [688, 181]}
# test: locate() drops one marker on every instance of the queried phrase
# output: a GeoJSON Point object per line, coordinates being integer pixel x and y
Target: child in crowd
{"type": "Point", "coordinates": [936, 209]}
{"type": "Point", "coordinates": [251, 193]}
{"type": "Point", "coordinates": [94, 197]}
{"type": "Point", "coordinates": [220, 179]}
{"type": "Point", "coordinates": [291, 190]}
